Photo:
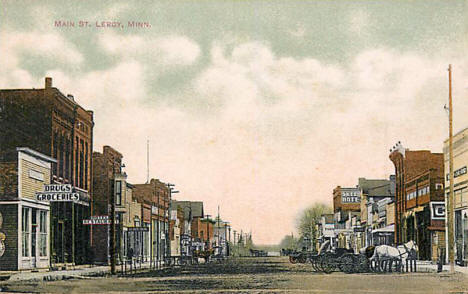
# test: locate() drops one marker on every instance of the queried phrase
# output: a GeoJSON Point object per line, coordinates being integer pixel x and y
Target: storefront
{"type": "Point", "coordinates": [460, 193]}
{"type": "Point", "coordinates": [24, 220]}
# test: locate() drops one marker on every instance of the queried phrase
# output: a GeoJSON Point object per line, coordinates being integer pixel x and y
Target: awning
{"type": "Point", "coordinates": [387, 229]}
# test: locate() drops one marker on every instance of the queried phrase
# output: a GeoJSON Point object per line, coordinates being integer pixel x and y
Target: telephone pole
{"type": "Point", "coordinates": [450, 200]}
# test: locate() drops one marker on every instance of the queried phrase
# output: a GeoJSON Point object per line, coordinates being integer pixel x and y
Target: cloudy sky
{"type": "Point", "coordinates": [261, 107]}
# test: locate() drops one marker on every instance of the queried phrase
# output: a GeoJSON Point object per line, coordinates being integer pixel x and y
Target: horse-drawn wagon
{"type": "Point", "coordinates": [381, 258]}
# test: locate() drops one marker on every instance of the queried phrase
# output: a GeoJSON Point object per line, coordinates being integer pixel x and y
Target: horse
{"type": "Point", "coordinates": [386, 252]}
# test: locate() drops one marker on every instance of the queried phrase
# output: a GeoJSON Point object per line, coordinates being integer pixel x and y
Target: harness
{"type": "Point", "coordinates": [407, 251]}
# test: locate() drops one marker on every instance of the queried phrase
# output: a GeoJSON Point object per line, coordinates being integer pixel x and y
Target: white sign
{"type": "Point", "coordinates": [58, 197]}
{"type": "Point", "coordinates": [33, 174]}
{"type": "Point", "coordinates": [350, 196]}
{"type": "Point", "coordinates": [438, 210]}
{"type": "Point", "coordinates": [57, 188]}
{"type": "Point", "coordinates": [98, 220]}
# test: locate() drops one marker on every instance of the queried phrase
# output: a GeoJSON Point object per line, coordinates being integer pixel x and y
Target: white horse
{"type": "Point", "coordinates": [401, 252]}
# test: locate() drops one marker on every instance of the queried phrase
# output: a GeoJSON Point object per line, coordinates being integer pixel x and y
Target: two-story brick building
{"type": "Point", "coordinates": [419, 186]}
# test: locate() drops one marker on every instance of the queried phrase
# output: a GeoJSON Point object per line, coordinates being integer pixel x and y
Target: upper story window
{"type": "Point", "coordinates": [118, 192]}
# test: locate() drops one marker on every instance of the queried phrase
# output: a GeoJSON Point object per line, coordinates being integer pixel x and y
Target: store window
{"type": "Point", "coordinates": [26, 235]}
{"type": "Point", "coordinates": [42, 233]}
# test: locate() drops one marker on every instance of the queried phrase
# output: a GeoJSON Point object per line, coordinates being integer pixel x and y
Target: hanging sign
{"type": "Point", "coordinates": [438, 210]}
{"type": "Point", "coordinates": [58, 193]}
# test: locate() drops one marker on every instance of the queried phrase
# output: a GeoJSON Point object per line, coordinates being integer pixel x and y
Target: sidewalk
{"type": "Point", "coordinates": [426, 266]}
{"type": "Point", "coordinates": [65, 274]}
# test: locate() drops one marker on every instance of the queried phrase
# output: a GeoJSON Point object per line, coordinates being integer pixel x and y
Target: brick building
{"type": "Point", "coordinates": [157, 194]}
{"type": "Point", "coordinates": [192, 213]}
{"type": "Point", "coordinates": [346, 209]}
{"type": "Point", "coordinates": [107, 187]}
{"type": "Point", "coordinates": [53, 124]}
{"type": "Point", "coordinates": [419, 186]}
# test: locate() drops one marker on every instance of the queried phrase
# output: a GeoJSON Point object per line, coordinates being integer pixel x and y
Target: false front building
{"type": "Point", "coordinates": [24, 220]}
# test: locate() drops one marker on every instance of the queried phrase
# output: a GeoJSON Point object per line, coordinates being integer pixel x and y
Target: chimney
{"type": "Point", "coordinates": [48, 82]}
{"type": "Point", "coordinates": [70, 96]}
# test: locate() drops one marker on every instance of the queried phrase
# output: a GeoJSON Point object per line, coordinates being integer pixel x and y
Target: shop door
{"type": "Point", "coordinates": [33, 238]}
{"type": "Point", "coordinates": [459, 236]}
{"type": "Point", "coordinates": [60, 248]}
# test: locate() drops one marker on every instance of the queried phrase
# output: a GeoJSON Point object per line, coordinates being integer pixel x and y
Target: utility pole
{"type": "Point", "coordinates": [450, 200]}
{"type": "Point", "coordinates": [219, 244]}
{"type": "Point", "coordinates": [147, 161]}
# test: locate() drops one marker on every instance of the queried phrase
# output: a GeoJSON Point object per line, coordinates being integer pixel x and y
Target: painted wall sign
{"type": "Point", "coordinates": [33, 174]}
{"type": "Point", "coordinates": [351, 196]}
{"type": "Point", "coordinates": [458, 172]}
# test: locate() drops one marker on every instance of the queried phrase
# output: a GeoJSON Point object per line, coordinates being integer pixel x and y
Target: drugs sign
{"type": "Point", "coordinates": [58, 193]}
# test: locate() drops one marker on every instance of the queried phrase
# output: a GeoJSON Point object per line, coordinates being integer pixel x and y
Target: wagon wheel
{"type": "Point", "coordinates": [362, 263]}
{"type": "Point", "coordinates": [327, 263]}
{"type": "Point", "coordinates": [292, 259]}
{"type": "Point", "coordinates": [302, 258]}
{"type": "Point", "coordinates": [347, 263]}
{"type": "Point", "coordinates": [313, 262]}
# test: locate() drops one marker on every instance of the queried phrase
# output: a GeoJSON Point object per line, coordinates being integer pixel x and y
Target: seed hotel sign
{"type": "Point", "coordinates": [350, 196]}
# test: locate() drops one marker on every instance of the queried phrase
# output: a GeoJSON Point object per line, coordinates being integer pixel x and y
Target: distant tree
{"type": "Point", "coordinates": [289, 242]}
{"type": "Point", "coordinates": [309, 218]}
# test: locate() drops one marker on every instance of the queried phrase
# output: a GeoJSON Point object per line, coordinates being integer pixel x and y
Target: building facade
{"type": "Point", "coordinates": [107, 190]}
{"type": "Point", "coordinates": [156, 195]}
{"type": "Point", "coordinates": [192, 213]}
{"type": "Point", "coordinates": [376, 195]}
{"type": "Point", "coordinates": [460, 181]}
{"type": "Point", "coordinates": [53, 124]}
{"type": "Point", "coordinates": [346, 206]}
{"type": "Point", "coordinates": [24, 220]}
{"type": "Point", "coordinates": [419, 185]}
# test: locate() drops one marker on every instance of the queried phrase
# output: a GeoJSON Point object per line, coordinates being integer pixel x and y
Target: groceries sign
{"type": "Point", "coordinates": [58, 193]}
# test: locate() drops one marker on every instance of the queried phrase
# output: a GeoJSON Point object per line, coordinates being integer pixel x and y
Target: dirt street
{"type": "Point", "coordinates": [252, 275]}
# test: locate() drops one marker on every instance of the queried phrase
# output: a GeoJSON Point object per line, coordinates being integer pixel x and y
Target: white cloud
{"type": "Point", "coordinates": [14, 46]}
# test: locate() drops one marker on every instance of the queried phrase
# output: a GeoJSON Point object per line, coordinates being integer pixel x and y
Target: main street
{"type": "Point", "coordinates": [251, 275]}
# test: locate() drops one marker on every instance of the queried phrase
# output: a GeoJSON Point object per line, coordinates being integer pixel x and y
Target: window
{"type": "Point", "coordinates": [25, 232]}
{"type": "Point", "coordinates": [118, 192]}
{"type": "Point", "coordinates": [86, 167]}
{"type": "Point", "coordinates": [42, 233]}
